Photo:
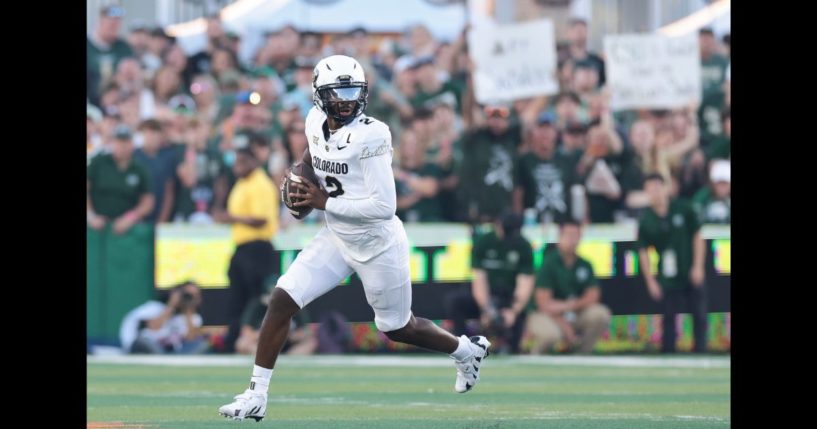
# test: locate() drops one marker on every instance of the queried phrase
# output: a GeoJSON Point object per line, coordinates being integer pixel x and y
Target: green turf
{"type": "Point", "coordinates": [510, 395]}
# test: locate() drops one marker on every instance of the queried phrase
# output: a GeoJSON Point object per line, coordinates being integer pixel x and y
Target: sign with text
{"type": "Point", "coordinates": [652, 71]}
{"type": "Point", "coordinates": [513, 61]}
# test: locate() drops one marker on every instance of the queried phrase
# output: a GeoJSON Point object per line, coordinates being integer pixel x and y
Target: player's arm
{"type": "Point", "coordinates": [381, 203]}
{"type": "Point", "coordinates": [307, 157]}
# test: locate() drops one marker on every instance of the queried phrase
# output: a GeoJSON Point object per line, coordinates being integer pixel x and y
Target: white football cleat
{"type": "Point", "coordinates": [468, 369]}
{"type": "Point", "coordinates": [248, 405]}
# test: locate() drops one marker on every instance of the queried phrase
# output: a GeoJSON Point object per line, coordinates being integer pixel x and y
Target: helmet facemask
{"type": "Point", "coordinates": [342, 101]}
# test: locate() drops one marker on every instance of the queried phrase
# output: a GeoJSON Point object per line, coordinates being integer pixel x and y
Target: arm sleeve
{"type": "Point", "coordinates": [375, 163]}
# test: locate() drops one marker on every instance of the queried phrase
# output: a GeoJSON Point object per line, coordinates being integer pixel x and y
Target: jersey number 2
{"type": "Point", "coordinates": [332, 182]}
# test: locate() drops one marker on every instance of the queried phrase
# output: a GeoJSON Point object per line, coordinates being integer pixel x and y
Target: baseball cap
{"type": "Point", "coordinates": [721, 171]}
{"type": "Point", "coordinates": [122, 132]}
{"type": "Point", "coordinates": [546, 117]}
{"type": "Point", "coordinates": [112, 11]}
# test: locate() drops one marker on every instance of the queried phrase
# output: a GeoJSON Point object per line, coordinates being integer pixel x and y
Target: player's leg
{"type": "Point", "coordinates": [387, 283]}
{"type": "Point", "coordinates": [315, 271]}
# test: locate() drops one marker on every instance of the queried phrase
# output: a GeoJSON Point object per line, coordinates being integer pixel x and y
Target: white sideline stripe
{"type": "Point", "coordinates": [420, 361]}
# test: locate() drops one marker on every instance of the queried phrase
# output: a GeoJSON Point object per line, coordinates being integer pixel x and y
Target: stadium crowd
{"type": "Point", "coordinates": [455, 160]}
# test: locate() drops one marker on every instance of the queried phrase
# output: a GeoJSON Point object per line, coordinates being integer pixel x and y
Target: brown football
{"type": "Point", "coordinates": [298, 173]}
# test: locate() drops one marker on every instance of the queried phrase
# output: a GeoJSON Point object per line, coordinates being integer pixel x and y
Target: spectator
{"type": "Point", "coordinates": [713, 64]}
{"type": "Point", "coordinates": [175, 58]}
{"type": "Point", "coordinates": [417, 182]}
{"type": "Point", "coordinates": [166, 83]}
{"type": "Point", "coordinates": [205, 92]}
{"type": "Point", "coordinates": [204, 187]}
{"type": "Point", "coordinates": [300, 341]}
{"type": "Point", "coordinates": [721, 145]}
{"type": "Point", "coordinates": [601, 168]}
{"type": "Point", "coordinates": [577, 36]}
{"type": "Point", "coordinates": [172, 326]}
{"type": "Point", "coordinates": [252, 210]}
{"type": "Point", "coordinates": [487, 170]}
{"type": "Point", "coordinates": [430, 86]}
{"type": "Point", "coordinates": [130, 80]}
{"type": "Point", "coordinates": [421, 42]}
{"type": "Point", "coordinates": [262, 150]}
{"type": "Point", "coordinates": [104, 50]}
{"type": "Point", "coordinates": [201, 62]}
{"type": "Point", "coordinates": [119, 189]}
{"type": "Point", "coordinates": [161, 159]}
{"type": "Point", "coordinates": [568, 297]}
{"type": "Point", "coordinates": [567, 106]}
{"type": "Point", "coordinates": [93, 140]}
{"type": "Point", "coordinates": [158, 42]}
{"type": "Point", "coordinates": [585, 79]}
{"type": "Point", "coordinates": [502, 267]}
{"type": "Point", "coordinates": [544, 175]}
{"type": "Point", "coordinates": [138, 39]}
{"type": "Point", "coordinates": [714, 202]}
{"type": "Point", "coordinates": [310, 45]}
{"type": "Point", "coordinates": [673, 229]}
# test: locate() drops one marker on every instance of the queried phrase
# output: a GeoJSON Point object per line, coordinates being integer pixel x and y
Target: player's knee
{"type": "Point", "coordinates": [403, 334]}
{"type": "Point", "coordinates": [281, 304]}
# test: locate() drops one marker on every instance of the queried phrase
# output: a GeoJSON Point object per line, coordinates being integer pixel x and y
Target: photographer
{"type": "Point", "coordinates": [502, 265]}
{"type": "Point", "coordinates": [157, 327]}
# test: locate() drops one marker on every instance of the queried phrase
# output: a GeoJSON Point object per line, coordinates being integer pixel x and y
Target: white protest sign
{"type": "Point", "coordinates": [513, 61]}
{"type": "Point", "coordinates": [652, 71]}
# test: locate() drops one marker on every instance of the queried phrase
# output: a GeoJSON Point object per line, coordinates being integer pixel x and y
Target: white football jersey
{"type": "Point", "coordinates": [355, 166]}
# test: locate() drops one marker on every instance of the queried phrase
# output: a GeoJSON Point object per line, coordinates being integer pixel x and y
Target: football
{"type": "Point", "coordinates": [298, 173]}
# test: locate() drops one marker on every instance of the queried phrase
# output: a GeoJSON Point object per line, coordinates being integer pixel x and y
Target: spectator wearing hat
{"type": "Point", "coordinates": [544, 175]}
{"type": "Point", "coordinates": [568, 297]}
{"type": "Point", "coordinates": [162, 161]}
{"type": "Point", "coordinates": [104, 50]}
{"type": "Point", "coordinates": [713, 203]}
{"type": "Point", "coordinates": [119, 189]}
{"type": "Point", "coordinates": [673, 229]}
{"type": "Point", "coordinates": [487, 171]}
{"type": "Point", "coordinates": [502, 271]}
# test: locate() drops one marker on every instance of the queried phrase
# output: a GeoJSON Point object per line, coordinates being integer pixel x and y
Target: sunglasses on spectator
{"type": "Point", "coordinates": [497, 112]}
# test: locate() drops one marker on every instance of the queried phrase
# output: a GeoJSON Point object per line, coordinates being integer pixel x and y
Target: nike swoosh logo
{"type": "Point", "coordinates": [348, 136]}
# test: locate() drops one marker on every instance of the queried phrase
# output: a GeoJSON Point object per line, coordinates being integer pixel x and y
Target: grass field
{"type": "Point", "coordinates": [415, 392]}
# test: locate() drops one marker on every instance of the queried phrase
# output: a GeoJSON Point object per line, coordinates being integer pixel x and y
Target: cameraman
{"type": "Point", "coordinates": [502, 265]}
{"type": "Point", "coordinates": [156, 327]}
